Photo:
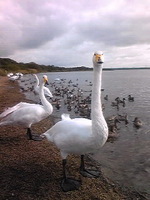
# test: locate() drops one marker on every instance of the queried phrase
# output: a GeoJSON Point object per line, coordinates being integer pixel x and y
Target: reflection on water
{"type": "Point", "coordinates": [126, 160]}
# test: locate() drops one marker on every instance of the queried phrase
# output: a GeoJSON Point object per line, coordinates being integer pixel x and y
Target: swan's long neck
{"type": "Point", "coordinates": [37, 80]}
{"type": "Point", "coordinates": [47, 105]}
{"type": "Point", "coordinates": [99, 126]}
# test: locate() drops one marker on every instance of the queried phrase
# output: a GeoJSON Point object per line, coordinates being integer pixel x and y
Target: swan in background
{"type": "Point", "coordinates": [26, 114]}
{"type": "Point", "coordinates": [16, 76]}
{"type": "Point", "coordinates": [47, 92]}
{"type": "Point", "coordinates": [81, 136]}
{"type": "Point", "coordinates": [10, 74]}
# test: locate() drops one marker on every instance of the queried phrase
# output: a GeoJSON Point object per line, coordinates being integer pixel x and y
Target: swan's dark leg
{"type": "Point", "coordinates": [29, 135]}
{"type": "Point", "coordinates": [88, 172]}
{"type": "Point", "coordinates": [68, 184]}
{"type": "Point", "coordinates": [33, 136]}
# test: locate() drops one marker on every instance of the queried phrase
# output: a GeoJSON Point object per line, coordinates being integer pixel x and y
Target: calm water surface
{"type": "Point", "coordinates": [126, 160]}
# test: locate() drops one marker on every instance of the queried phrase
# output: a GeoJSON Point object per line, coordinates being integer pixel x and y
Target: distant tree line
{"type": "Point", "coordinates": [8, 65]}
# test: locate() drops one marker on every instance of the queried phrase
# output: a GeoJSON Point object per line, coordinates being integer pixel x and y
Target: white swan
{"type": "Point", "coordinates": [26, 114]}
{"type": "Point", "coordinates": [47, 92]}
{"type": "Point", "coordinates": [14, 77]}
{"type": "Point", "coordinates": [81, 136]}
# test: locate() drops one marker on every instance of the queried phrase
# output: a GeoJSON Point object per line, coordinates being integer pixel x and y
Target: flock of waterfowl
{"type": "Point", "coordinates": [14, 77]}
{"type": "Point", "coordinates": [113, 120]}
{"type": "Point", "coordinates": [82, 135]}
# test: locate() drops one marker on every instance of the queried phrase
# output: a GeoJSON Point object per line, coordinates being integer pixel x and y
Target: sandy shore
{"type": "Point", "coordinates": [32, 170]}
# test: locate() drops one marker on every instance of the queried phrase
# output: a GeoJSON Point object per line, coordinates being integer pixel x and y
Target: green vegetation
{"type": "Point", "coordinates": [8, 65]}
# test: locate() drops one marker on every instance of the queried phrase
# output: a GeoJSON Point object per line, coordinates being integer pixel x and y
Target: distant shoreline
{"type": "Point", "coordinates": [8, 65]}
{"type": "Point", "coordinates": [133, 68]}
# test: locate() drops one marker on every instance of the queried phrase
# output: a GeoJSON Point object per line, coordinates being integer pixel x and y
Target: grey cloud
{"type": "Point", "coordinates": [33, 26]}
{"type": "Point", "coordinates": [116, 31]}
{"type": "Point", "coordinates": [38, 34]}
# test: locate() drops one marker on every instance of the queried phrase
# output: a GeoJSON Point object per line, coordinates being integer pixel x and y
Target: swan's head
{"type": "Point", "coordinates": [45, 78]}
{"type": "Point", "coordinates": [98, 57]}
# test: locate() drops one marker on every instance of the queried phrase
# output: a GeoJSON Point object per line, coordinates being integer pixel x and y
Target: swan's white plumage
{"type": "Point", "coordinates": [80, 135]}
{"type": "Point", "coordinates": [47, 92]}
{"type": "Point", "coordinates": [79, 131]}
{"type": "Point", "coordinates": [12, 109]}
{"type": "Point", "coordinates": [26, 114]}
{"type": "Point", "coordinates": [14, 77]}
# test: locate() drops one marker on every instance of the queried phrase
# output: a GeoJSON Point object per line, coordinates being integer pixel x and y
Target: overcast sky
{"type": "Point", "coordinates": [67, 32]}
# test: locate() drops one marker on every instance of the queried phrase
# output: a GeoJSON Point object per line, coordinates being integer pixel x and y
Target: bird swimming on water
{"type": "Point", "coordinates": [80, 135]}
{"type": "Point", "coordinates": [137, 122]}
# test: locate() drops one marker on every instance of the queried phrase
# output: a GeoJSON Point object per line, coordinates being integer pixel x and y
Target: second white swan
{"type": "Point", "coordinates": [26, 114]}
{"type": "Point", "coordinates": [47, 92]}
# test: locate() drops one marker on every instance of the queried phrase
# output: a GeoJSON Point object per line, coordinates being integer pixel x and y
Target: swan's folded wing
{"type": "Point", "coordinates": [12, 109]}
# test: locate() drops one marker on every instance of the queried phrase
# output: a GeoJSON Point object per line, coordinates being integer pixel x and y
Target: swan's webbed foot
{"type": "Point", "coordinates": [32, 136]}
{"type": "Point", "coordinates": [69, 184]}
{"type": "Point", "coordinates": [89, 173]}
{"type": "Point", "coordinates": [36, 137]}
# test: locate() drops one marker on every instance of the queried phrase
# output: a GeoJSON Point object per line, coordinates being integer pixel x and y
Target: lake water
{"type": "Point", "coordinates": [126, 160]}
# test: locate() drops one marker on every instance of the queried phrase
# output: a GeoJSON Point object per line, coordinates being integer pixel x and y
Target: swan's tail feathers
{"type": "Point", "coordinates": [47, 92]}
{"type": "Point", "coordinates": [65, 116]}
{"type": "Point", "coordinates": [46, 135]}
{"type": "Point", "coordinates": [50, 95]}
{"type": "Point", "coordinates": [43, 136]}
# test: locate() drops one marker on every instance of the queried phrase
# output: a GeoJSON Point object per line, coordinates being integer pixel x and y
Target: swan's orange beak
{"type": "Point", "coordinates": [46, 80]}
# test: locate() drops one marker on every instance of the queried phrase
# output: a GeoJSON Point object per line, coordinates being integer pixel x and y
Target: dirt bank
{"type": "Point", "coordinates": [32, 170]}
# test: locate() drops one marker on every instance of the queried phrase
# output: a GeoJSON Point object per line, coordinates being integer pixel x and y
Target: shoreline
{"type": "Point", "coordinates": [32, 170]}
